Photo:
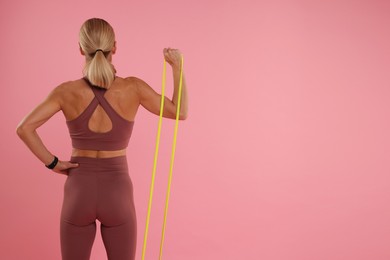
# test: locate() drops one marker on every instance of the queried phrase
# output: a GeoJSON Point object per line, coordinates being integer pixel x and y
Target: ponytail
{"type": "Point", "coordinates": [97, 41]}
{"type": "Point", "coordinates": [99, 71]}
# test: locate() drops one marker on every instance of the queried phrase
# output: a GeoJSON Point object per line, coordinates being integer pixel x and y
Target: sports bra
{"type": "Point", "coordinates": [84, 138]}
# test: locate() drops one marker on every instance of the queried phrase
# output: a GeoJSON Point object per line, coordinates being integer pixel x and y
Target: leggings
{"type": "Point", "coordinates": [100, 188]}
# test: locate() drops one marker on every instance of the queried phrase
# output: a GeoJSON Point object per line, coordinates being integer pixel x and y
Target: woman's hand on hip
{"type": "Point", "coordinates": [63, 167]}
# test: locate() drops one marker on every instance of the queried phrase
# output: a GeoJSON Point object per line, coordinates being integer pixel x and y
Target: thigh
{"type": "Point", "coordinates": [117, 215]}
{"type": "Point", "coordinates": [120, 241]}
{"type": "Point", "coordinates": [76, 241]}
{"type": "Point", "coordinates": [78, 215]}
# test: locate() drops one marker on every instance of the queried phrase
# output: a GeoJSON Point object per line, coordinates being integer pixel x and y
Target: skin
{"type": "Point", "coordinates": [125, 95]}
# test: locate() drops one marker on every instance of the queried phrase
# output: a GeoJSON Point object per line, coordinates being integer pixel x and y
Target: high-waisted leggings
{"type": "Point", "coordinates": [99, 189]}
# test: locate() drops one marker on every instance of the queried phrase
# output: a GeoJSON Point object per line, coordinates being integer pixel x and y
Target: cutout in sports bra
{"type": "Point", "coordinates": [84, 138]}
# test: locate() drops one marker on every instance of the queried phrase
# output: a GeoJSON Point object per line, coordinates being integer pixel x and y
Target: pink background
{"type": "Point", "coordinates": [285, 154]}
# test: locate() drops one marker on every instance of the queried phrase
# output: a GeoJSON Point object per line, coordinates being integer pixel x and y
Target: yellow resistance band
{"type": "Point", "coordinates": [156, 156]}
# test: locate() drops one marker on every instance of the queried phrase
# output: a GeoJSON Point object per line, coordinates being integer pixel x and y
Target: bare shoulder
{"type": "Point", "coordinates": [68, 90]}
{"type": "Point", "coordinates": [136, 82]}
{"type": "Point", "coordinates": [68, 86]}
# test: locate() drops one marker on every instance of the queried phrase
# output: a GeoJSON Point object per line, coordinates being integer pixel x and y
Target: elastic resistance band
{"type": "Point", "coordinates": [156, 157]}
{"type": "Point", "coordinates": [172, 159]}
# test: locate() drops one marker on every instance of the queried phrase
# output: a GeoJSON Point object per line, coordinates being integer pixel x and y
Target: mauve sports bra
{"type": "Point", "coordinates": [115, 139]}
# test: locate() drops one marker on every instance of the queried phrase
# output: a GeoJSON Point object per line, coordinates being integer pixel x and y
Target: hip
{"type": "Point", "coordinates": [90, 165]}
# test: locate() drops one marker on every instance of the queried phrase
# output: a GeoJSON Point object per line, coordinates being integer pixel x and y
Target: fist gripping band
{"type": "Point", "coordinates": [156, 156]}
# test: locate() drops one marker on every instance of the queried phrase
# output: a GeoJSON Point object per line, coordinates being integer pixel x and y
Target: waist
{"type": "Point", "coordinates": [97, 154]}
{"type": "Point", "coordinates": [92, 166]}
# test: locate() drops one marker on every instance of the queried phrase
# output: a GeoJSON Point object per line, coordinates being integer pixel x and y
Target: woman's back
{"type": "Point", "coordinates": [75, 96]}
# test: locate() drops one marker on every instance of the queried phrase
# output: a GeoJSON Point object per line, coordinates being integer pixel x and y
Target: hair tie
{"type": "Point", "coordinates": [97, 51]}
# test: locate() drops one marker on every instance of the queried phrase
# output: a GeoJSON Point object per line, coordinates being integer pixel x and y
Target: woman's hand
{"type": "Point", "coordinates": [63, 167]}
{"type": "Point", "coordinates": [173, 57]}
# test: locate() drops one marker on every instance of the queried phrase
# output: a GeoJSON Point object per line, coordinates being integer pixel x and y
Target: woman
{"type": "Point", "coordinates": [99, 110]}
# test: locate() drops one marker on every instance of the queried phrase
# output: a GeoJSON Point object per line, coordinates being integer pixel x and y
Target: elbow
{"type": "Point", "coordinates": [183, 116]}
{"type": "Point", "coordinates": [21, 130]}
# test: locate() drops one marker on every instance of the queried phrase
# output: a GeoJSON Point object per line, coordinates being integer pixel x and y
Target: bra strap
{"type": "Point", "coordinates": [99, 94]}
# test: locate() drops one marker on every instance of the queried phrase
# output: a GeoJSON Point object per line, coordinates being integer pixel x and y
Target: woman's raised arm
{"type": "Point", "coordinates": [150, 100]}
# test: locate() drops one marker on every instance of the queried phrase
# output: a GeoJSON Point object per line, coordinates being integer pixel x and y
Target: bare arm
{"type": "Point", "coordinates": [26, 130]}
{"type": "Point", "coordinates": [150, 100]}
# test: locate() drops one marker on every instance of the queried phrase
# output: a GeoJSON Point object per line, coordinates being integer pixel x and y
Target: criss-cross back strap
{"type": "Point", "coordinates": [99, 94]}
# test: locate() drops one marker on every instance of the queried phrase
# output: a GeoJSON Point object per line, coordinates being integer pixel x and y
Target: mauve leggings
{"type": "Point", "coordinates": [100, 188]}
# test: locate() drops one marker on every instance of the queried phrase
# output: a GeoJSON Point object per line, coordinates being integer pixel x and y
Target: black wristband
{"type": "Point", "coordinates": [53, 163]}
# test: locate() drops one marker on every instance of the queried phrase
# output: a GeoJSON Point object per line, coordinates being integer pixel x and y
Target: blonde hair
{"type": "Point", "coordinates": [97, 40]}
